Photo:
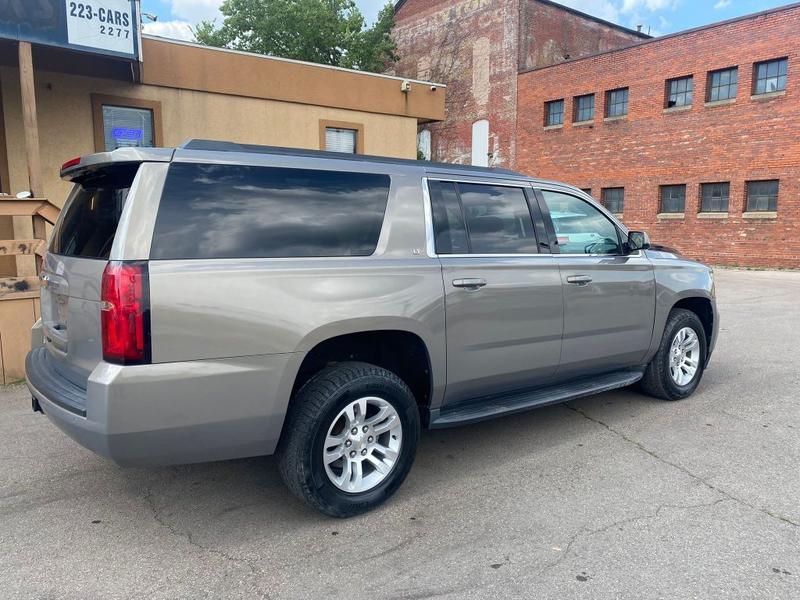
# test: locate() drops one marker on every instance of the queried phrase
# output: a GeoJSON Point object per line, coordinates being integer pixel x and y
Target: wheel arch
{"type": "Point", "coordinates": [704, 309]}
{"type": "Point", "coordinates": [399, 345]}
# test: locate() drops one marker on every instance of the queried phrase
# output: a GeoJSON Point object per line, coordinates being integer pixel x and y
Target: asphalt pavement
{"type": "Point", "coordinates": [613, 496]}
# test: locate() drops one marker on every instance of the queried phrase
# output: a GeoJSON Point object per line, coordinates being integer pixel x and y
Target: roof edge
{"type": "Point", "coordinates": [652, 40]}
{"type": "Point", "coordinates": [399, 3]}
{"type": "Point", "coordinates": [579, 13]}
{"type": "Point", "coordinates": [159, 38]}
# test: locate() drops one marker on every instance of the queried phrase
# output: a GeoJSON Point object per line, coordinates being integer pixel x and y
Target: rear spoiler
{"type": "Point", "coordinates": [77, 167]}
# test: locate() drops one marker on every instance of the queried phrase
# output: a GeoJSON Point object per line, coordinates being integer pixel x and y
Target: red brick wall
{"type": "Point", "coordinates": [746, 140]}
{"type": "Point", "coordinates": [549, 34]}
{"type": "Point", "coordinates": [442, 41]}
{"type": "Point", "coordinates": [485, 38]}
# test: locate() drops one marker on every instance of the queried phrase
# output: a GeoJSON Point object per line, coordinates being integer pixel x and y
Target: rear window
{"type": "Point", "coordinates": [92, 213]}
{"type": "Point", "coordinates": [230, 211]}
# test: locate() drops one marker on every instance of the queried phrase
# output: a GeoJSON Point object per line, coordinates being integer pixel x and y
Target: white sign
{"type": "Point", "coordinates": [103, 24]}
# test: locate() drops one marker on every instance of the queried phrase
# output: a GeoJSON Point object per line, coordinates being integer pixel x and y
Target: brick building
{"type": "Point", "coordinates": [693, 137]}
{"type": "Point", "coordinates": [478, 47]}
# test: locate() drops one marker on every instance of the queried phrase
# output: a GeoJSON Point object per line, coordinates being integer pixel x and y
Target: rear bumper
{"type": "Point", "coordinates": [170, 413]}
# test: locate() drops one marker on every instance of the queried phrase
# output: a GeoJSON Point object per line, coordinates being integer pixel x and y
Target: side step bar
{"type": "Point", "coordinates": [505, 404]}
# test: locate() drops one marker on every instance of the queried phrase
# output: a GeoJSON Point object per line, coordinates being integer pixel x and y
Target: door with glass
{"type": "Point", "coordinates": [504, 305]}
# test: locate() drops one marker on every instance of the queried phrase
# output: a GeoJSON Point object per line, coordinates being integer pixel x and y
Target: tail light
{"type": "Point", "coordinates": [125, 313]}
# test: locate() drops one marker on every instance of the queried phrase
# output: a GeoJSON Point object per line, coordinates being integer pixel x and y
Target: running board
{"type": "Point", "coordinates": [489, 407]}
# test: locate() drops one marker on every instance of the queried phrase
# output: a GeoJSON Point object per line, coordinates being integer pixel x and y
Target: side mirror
{"type": "Point", "coordinates": [638, 240]}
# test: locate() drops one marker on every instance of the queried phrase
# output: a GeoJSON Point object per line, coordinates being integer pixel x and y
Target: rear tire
{"type": "Point", "coordinates": [349, 439]}
{"type": "Point", "coordinates": [672, 374]}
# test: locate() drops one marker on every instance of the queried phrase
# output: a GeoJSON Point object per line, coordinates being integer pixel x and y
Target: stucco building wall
{"type": "Point", "coordinates": [66, 129]}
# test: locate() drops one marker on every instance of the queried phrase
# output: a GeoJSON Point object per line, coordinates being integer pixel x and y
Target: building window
{"type": "Point", "coordinates": [617, 103]}
{"type": "Point", "coordinates": [673, 198]}
{"type": "Point", "coordinates": [125, 123]}
{"type": "Point", "coordinates": [614, 199]}
{"type": "Point", "coordinates": [584, 108]}
{"type": "Point", "coordinates": [762, 196]}
{"type": "Point", "coordinates": [714, 197]}
{"type": "Point", "coordinates": [338, 136]}
{"type": "Point", "coordinates": [339, 139]}
{"type": "Point", "coordinates": [770, 76]}
{"type": "Point", "coordinates": [722, 85]}
{"type": "Point", "coordinates": [680, 91]}
{"type": "Point", "coordinates": [554, 113]}
{"type": "Point", "coordinates": [587, 191]}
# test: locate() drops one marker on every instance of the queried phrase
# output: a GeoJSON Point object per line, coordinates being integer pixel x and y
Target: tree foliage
{"type": "Point", "coordinates": [330, 32]}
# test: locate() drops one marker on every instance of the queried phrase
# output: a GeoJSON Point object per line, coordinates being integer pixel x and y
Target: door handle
{"type": "Point", "coordinates": [470, 284]}
{"type": "Point", "coordinates": [579, 279]}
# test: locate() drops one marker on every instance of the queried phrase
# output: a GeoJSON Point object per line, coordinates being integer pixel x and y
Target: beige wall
{"type": "Point", "coordinates": [65, 122]}
{"type": "Point", "coordinates": [174, 64]}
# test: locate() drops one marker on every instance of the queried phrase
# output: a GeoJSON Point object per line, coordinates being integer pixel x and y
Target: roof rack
{"type": "Point", "coordinates": [221, 146]}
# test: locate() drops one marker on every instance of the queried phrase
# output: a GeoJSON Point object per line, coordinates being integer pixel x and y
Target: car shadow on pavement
{"type": "Point", "coordinates": [235, 498]}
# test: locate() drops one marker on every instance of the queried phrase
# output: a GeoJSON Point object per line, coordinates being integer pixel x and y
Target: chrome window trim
{"type": "Point", "coordinates": [493, 255]}
{"type": "Point", "coordinates": [522, 184]}
{"type": "Point", "coordinates": [430, 245]}
{"type": "Point", "coordinates": [430, 241]}
{"type": "Point", "coordinates": [638, 254]}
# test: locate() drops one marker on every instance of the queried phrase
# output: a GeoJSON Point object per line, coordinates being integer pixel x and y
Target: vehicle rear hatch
{"type": "Point", "coordinates": [72, 271]}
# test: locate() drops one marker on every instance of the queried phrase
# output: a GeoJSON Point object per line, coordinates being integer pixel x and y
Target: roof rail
{"type": "Point", "coordinates": [222, 146]}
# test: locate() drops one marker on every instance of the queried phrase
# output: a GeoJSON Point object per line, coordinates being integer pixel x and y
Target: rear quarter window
{"type": "Point", "coordinates": [231, 211]}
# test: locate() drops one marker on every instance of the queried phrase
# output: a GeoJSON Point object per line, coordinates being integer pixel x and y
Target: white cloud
{"type": "Point", "coordinates": [629, 6]}
{"type": "Point", "coordinates": [194, 11]}
{"type": "Point", "coordinates": [603, 9]}
{"type": "Point", "coordinates": [179, 30]}
{"type": "Point", "coordinates": [722, 4]}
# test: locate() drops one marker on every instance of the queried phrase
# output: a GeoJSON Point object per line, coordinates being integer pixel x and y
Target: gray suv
{"type": "Point", "coordinates": [219, 300]}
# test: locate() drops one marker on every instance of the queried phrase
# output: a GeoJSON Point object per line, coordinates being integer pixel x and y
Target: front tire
{"type": "Point", "coordinates": [350, 438]}
{"type": "Point", "coordinates": [678, 366]}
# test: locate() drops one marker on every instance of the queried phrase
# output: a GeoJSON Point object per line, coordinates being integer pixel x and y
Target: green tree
{"type": "Point", "coordinates": [330, 32]}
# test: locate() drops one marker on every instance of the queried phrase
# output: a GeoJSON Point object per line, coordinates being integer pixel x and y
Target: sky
{"type": "Point", "coordinates": [175, 17]}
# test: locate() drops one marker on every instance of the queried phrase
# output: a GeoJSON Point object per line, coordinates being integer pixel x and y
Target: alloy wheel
{"type": "Point", "coordinates": [684, 356]}
{"type": "Point", "coordinates": [362, 444]}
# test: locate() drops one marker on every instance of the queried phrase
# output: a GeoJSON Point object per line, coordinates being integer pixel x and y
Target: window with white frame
{"type": "Point", "coordinates": [340, 139]}
{"type": "Point", "coordinates": [126, 127]}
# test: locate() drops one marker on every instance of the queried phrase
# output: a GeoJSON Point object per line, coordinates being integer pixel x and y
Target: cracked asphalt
{"type": "Point", "coordinates": [614, 496]}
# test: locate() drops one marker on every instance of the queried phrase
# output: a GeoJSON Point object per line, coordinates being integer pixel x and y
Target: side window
{"type": "Point", "coordinates": [580, 227]}
{"type": "Point", "coordinates": [498, 219]}
{"type": "Point", "coordinates": [449, 232]}
{"type": "Point", "coordinates": [232, 211]}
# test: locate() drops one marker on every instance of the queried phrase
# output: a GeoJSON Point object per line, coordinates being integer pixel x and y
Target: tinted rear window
{"type": "Point", "coordinates": [92, 213]}
{"type": "Point", "coordinates": [229, 211]}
